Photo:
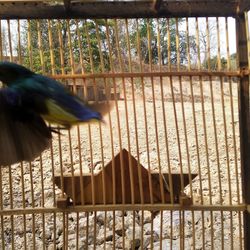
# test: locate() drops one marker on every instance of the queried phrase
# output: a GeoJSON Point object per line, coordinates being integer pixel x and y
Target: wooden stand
{"type": "Point", "coordinates": [118, 191]}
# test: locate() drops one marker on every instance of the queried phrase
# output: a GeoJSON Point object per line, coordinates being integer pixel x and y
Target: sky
{"type": "Point", "coordinates": [231, 23]}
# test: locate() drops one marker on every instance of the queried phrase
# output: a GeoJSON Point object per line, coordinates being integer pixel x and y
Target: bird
{"type": "Point", "coordinates": [29, 104]}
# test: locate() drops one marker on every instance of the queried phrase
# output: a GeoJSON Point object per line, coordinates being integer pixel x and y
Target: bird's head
{"type": "Point", "coordinates": [10, 72]}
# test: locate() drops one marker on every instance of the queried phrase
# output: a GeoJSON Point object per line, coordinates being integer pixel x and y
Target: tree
{"type": "Point", "coordinates": [65, 35]}
{"type": "Point", "coordinates": [165, 28]}
{"type": "Point", "coordinates": [40, 43]}
{"type": "Point", "coordinates": [213, 62]}
{"type": "Point", "coordinates": [86, 41]}
{"type": "Point", "coordinates": [208, 42]}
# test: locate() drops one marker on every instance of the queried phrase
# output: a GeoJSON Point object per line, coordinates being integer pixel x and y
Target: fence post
{"type": "Point", "coordinates": [244, 118]}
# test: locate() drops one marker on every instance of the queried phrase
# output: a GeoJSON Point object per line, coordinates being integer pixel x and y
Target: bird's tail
{"type": "Point", "coordinates": [102, 107]}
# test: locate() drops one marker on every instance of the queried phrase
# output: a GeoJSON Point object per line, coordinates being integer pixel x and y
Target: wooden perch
{"type": "Point", "coordinates": [67, 4]}
{"type": "Point", "coordinates": [157, 4]}
{"type": "Point", "coordinates": [114, 193]}
{"type": "Point", "coordinates": [120, 9]}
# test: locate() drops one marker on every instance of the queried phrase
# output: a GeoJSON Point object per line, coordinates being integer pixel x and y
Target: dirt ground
{"type": "Point", "coordinates": [199, 134]}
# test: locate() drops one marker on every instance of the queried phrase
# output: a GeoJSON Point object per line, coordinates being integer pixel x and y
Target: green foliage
{"type": "Point", "coordinates": [92, 45]}
{"type": "Point", "coordinates": [75, 43]}
{"type": "Point", "coordinates": [36, 55]}
{"type": "Point", "coordinates": [169, 49]}
{"type": "Point", "coordinates": [213, 62]}
{"type": "Point", "coordinates": [233, 59]}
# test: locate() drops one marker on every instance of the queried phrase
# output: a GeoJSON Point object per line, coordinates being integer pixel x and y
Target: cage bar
{"type": "Point", "coordinates": [178, 129]}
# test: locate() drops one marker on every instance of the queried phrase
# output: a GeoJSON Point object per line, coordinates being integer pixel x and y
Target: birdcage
{"type": "Point", "coordinates": [169, 168]}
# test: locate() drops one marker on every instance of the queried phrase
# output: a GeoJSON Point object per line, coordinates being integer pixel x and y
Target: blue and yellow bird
{"type": "Point", "coordinates": [27, 100]}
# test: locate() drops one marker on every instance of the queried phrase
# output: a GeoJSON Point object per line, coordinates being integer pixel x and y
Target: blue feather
{"type": "Point", "coordinates": [27, 100]}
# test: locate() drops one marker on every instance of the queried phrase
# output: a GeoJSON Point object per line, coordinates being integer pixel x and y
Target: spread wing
{"type": "Point", "coordinates": [53, 102]}
{"type": "Point", "coordinates": [23, 134]}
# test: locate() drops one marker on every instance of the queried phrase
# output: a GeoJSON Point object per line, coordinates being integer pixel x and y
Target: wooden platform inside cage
{"type": "Point", "coordinates": [123, 164]}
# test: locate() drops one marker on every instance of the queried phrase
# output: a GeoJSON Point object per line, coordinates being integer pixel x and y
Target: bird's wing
{"type": "Point", "coordinates": [54, 102]}
{"type": "Point", "coordinates": [23, 134]}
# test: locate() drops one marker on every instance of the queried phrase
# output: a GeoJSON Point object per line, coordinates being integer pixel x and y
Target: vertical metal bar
{"type": "Point", "coordinates": [69, 131]}
{"type": "Point", "coordinates": [100, 126]}
{"type": "Point", "coordinates": [42, 201]}
{"type": "Point", "coordinates": [244, 119]}
{"type": "Point", "coordinates": [182, 214]}
{"type": "Point", "coordinates": [22, 167]}
{"type": "Point", "coordinates": [41, 162]}
{"type": "Point", "coordinates": [144, 109]}
{"type": "Point", "coordinates": [1, 41]}
{"type": "Point", "coordinates": [110, 122]}
{"type": "Point", "coordinates": [221, 85]}
{"type": "Point", "coordinates": [162, 101]}
{"type": "Point", "coordinates": [152, 86]}
{"type": "Point", "coordinates": [62, 69]}
{"type": "Point", "coordinates": [247, 16]}
{"type": "Point", "coordinates": [42, 61]}
{"type": "Point", "coordinates": [209, 68]}
{"type": "Point", "coordinates": [169, 68]}
{"type": "Point", "coordinates": [218, 46]}
{"type": "Point", "coordinates": [89, 126]}
{"type": "Point", "coordinates": [72, 63]}
{"type": "Point", "coordinates": [169, 52]}
{"type": "Point", "coordinates": [40, 47]}
{"type": "Point", "coordinates": [32, 204]}
{"type": "Point", "coordinates": [190, 78]}
{"type": "Point", "coordinates": [111, 133]}
{"type": "Point", "coordinates": [10, 40]}
{"type": "Point", "coordinates": [1, 205]}
{"type": "Point", "coordinates": [121, 66]}
{"type": "Point", "coordinates": [126, 111]}
{"type": "Point", "coordinates": [30, 165]}
{"type": "Point", "coordinates": [127, 123]}
{"type": "Point", "coordinates": [161, 176]}
{"type": "Point", "coordinates": [203, 119]}
{"type": "Point", "coordinates": [84, 92]}
{"type": "Point", "coordinates": [226, 136]}
{"type": "Point", "coordinates": [52, 61]}
{"type": "Point", "coordinates": [90, 54]}
{"type": "Point", "coordinates": [66, 233]}
{"type": "Point", "coordinates": [23, 203]}
{"type": "Point", "coordinates": [11, 207]}
{"type": "Point", "coordinates": [60, 40]}
{"type": "Point", "coordinates": [149, 37]}
{"type": "Point", "coordinates": [96, 99]}
{"type": "Point", "coordinates": [19, 48]}
{"type": "Point", "coordinates": [136, 136]}
{"type": "Point", "coordinates": [29, 45]}
{"type": "Point", "coordinates": [117, 110]}
{"type": "Point", "coordinates": [10, 171]}
{"type": "Point", "coordinates": [77, 230]}
{"type": "Point", "coordinates": [170, 180]}
{"type": "Point", "coordinates": [209, 174]}
{"type": "Point", "coordinates": [51, 50]}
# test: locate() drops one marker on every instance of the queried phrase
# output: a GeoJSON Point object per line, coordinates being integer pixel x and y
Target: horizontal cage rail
{"type": "Point", "coordinates": [154, 74]}
{"type": "Point", "coordinates": [130, 207]}
{"type": "Point", "coordinates": [121, 9]}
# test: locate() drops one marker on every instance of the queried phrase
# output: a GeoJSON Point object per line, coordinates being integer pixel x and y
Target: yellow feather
{"type": "Point", "coordinates": [58, 115]}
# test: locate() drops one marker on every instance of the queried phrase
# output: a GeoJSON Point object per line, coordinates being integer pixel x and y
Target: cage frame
{"type": "Point", "coordinates": [120, 9]}
{"type": "Point", "coordinates": [72, 10]}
